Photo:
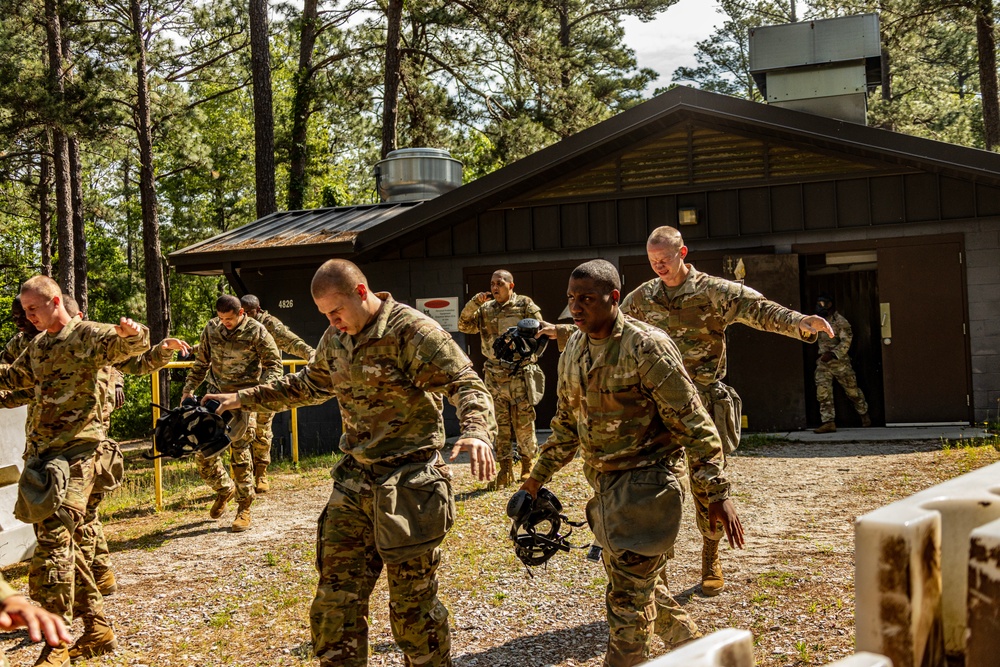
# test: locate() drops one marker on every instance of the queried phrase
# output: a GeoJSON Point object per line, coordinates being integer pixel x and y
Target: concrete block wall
{"type": "Point", "coordinates": [915, 585]}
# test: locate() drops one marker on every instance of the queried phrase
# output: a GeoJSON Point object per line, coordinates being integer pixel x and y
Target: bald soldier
{"type": "Point", "coordinates": [65, 428]}
{"type": "Point", "coordinates": [287, 341]}
{"type": "Point", "coordinates": [695, 309]}
{"type": "Point", "coordinates": [388, 366]}
{"type": "Point", "coordinates": [516, 393]}
{"type": "Point", "coordinates": [618, 371]}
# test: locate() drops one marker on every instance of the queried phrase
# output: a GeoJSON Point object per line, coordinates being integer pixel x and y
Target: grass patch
{"type": "Point", "coordinates": [751, 442]}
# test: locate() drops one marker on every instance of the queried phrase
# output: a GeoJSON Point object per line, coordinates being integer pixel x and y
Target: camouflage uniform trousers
{"type": "Point", "coordinates": [93, 543]}
{"type": "Point", "coordinates": [515, 414]}
{"type": "Point", "coordinates": [843, 372]}
{"type": "Point", "coordinates": [213, 472]}
{"type": "Point", "coordinates": [261, 446]}
{"type": "Point", "coordinates": [349, 565]}
{"type": "Point", "coordinates": [59, 578]}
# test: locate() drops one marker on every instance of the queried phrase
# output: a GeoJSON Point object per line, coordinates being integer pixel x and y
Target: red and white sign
{"type": "Point", "coordinates": [443, 310]}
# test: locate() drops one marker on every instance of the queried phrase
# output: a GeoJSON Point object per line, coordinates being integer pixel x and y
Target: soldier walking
{"type": "Point", "coordinates": [61, 366]}
{"type": "Point", "coordinates": [616, 370]}
{"type": "Point", "coordinates": [835, 363]}
{"type": "Point", "coordinates": [287, 341]}
{"type": "Point", "coordinates": [234, 352]}
{"type": "Point", "coordinates": [515, 394]}
{"type": "Point", "coordinates": [388, 366]}
{"type": "Point", "coordinates": [695, 309]}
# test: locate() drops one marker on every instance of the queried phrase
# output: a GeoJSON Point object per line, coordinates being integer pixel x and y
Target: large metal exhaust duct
{"type": "Point", "coordinates": [416, 174]}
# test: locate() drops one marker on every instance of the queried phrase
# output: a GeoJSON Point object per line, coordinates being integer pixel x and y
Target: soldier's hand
{"type": "Point", "coordinates": [16, 612]}
{"type": "Point", "coordinates": [127, 327]}
{"type": "Point", "coordinates": [724, 512]}
{"type": "Point", "coordinates": [176, 344]}
{"type": "Point", "coordinates": [226, 401]}
{"type": "Point", "coordinates": [531, 486]}
{"type": "Point", "coordinates": [813, 324]}
{"type": "Point", "coordinates": [482, 297]}
{"type": "Point", "coordinates": [481, 460]}
{"type": "Point", "coordinates": [547, 330]}
{"type": "Point", "coordinates": [826, 357]}
{"type": "Point", "coordinates": [119, 396]}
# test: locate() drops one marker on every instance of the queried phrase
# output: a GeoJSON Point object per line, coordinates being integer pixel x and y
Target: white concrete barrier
{"type": "Point", "coordinates": [982, 646]}
{"type": "Point", "coordinates": [734, 648]}
{"type": "Point", "coordinates": [17, 539]}
{"type": "Point", "coordinates": [912, 570]}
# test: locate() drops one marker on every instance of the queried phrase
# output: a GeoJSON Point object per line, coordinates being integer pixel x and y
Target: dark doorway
{"type": "Point", "coordinates": [546, 285]}
{"type": "Point", "coordinates": [854, 289]}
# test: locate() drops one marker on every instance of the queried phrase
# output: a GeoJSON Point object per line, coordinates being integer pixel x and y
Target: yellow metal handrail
{"type": "Point", "coordinates": [157, 465]}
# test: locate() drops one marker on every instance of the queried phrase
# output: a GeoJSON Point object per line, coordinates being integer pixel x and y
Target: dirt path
{"type": "Point", "coordinates": [192, 593]}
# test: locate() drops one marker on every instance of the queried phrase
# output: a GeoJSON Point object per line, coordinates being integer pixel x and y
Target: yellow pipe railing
{"type": "Point", "coordinates": [157, 463]}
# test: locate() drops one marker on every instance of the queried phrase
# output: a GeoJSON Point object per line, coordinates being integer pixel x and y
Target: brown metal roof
{"type": "Point", "coordinates": [395, 225]}
{"type": "Point", "coordinates": [295, 234]}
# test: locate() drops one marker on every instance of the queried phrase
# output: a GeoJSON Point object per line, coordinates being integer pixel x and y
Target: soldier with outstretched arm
{"type": "Point", "coordinates": [392, 504]}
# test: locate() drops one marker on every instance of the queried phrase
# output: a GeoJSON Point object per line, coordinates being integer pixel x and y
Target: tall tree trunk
{"type": "Point", "coordinates": [44, 211]}
{"type": "Point", "coordinates": [79, 235]}
{"type": "Point", "coordinates": [157, 315]}
{"type": "Point", "coordinates": [263, 111]}
{"type": "Point", "coordinates": [298, 152]}
{"type": "Point", "coordinates": [60, 151]}
{"type": "Point", "coordinates": [393, 62]}
{"type": "Point", "coordinates": [987, 47]}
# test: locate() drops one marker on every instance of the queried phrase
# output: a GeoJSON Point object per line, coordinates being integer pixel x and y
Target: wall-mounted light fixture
{"type": "Point", "coordinates": [687, 216]}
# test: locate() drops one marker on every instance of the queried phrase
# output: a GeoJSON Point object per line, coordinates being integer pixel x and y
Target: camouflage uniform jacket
{"type": "Point", "coordinates": [64, 371]}
{"type": "Point", "coordinates": [112, 377]}
{"type": "Point", "coordinates": [15, 346]}
{"type": "Point", "coordinates": [633, 407]}
{"type": "Point", "coordinates": [491, 319]}
{"type": "Point", "coordinates": [231, 360]}
{"type": "Point", "coordinates": [388, 380]}
{"type": "Point", "coordinates": [284, 338]}
{"type": "Point", "coordinates": [842, 336]}
{"type": "Point", "coordinates": [697, 315]}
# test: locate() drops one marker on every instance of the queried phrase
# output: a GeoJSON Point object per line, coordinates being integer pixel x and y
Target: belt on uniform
{"type": "Point", "coordinates": [387, 466]}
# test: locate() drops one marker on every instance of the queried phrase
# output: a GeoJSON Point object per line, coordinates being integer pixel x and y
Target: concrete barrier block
{"type": "Point", "coordinates": [17, 539]}
{"type": "Point", "coordinates": [912, 569]}
{"type": "Point", "coordinates": [725, 648]}
{"type": "Point", "coordinates": [983, 643]}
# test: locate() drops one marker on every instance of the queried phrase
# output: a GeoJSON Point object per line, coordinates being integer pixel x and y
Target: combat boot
{"type": "Point", "coordinates": [97, 639]}
{"type": "Point", "coordinates": [712, 582]}
{"type": "Point", "coordinates": [106, 582]}
{"type": "Point", "coordinates": [242, 520]}
{"type": "Point", "coordinates": [53, 656]}
{"type": "Point", "coordinates": [219, 506]}
{"type": "Point", "coordinates": [261, 485]}
{"type": "Point", "coordinates": [827, 427]}
{"type": "Point", "coordinates": [505, 475]}
{"type": "Point", "coordinates": [525, 468]}
{"type": "Point", "coordinates": [866, 421]}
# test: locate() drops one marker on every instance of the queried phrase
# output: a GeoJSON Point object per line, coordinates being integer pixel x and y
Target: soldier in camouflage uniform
{"type": "Point", "coordinates": [17, 612]}
{"type": "Point", "coordinates": [835, 363]}
{"type": "Point", "coordinates": [287, 341]}
{"type": "Point", "coordinates": [618, 371]}
{"type": "Point", "coordinates": [62, 366]}
{"type": "Point", "coordinates": [514, 395]}
{"type": "Point", "coordinates": [235, 351]}
{"type": "Point", "coordinates": [388, 366]}
{"type": "Point", "coordinates": [695, 309]}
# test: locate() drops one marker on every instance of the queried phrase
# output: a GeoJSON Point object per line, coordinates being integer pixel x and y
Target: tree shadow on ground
{"type": "Point", "coordinates": [158, 538]}
{"type": "Point", "coordinates": [579, 643]}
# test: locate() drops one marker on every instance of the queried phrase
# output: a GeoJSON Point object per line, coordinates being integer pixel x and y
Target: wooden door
{"type": "Point", "coordinates": [923, 326]}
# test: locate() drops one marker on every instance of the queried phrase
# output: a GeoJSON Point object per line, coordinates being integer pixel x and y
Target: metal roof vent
{"type": "Point", "coordinates": [823, 67]}
{"type": "Point", "coordinates": [415, 174]}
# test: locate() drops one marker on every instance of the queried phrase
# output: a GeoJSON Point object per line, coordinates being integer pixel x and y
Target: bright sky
{"type": "Point", "coordinates": [668, 42]}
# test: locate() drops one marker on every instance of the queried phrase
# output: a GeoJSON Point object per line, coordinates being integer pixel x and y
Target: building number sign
{"type": "Point", "coordinates": [286, 303]}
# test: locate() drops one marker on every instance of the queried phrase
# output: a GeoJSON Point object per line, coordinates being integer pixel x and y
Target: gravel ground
{"type": "Point", "coordinates": [192, 593]}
